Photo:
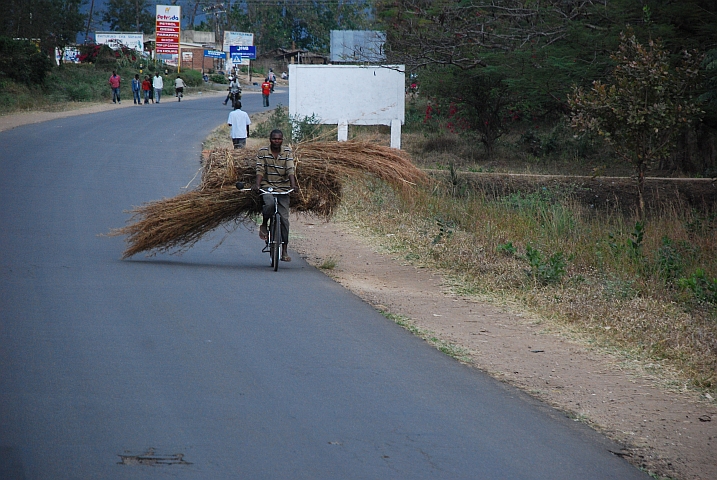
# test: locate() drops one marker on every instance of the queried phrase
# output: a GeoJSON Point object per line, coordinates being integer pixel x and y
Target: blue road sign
{"type": "Point", "coordinates": [236, 58]}
{"type": "Point", "coordinates": [245, 51]}
{"type": "Point", "coordinates": [214, 54]}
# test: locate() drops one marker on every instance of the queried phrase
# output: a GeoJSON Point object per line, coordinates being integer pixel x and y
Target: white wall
{"type": "Point", "coordinates": [357, 95]}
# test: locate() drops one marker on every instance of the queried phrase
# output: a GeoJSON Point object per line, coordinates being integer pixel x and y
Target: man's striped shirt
{"type": "Point", "coordinates": [275, 171]}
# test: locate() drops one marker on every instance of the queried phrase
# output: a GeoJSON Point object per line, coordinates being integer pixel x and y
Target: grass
{"type": "Point", "coordinates": [329, 263]}
{"type": "Point", "coordinates": [600, 274]}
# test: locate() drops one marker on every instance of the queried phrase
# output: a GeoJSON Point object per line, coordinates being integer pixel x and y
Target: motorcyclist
{"type": "Point", "coordinates": [272, 79]}
{"type": "Point", "coordinates": [234, 90]}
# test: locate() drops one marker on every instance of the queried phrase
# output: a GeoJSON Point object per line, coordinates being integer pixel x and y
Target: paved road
{"type": "Point", "coordinates": [210, 365]}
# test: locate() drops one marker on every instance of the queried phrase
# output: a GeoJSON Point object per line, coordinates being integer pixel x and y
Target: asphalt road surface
{"type": "Point", "coordinates": [210, 365]}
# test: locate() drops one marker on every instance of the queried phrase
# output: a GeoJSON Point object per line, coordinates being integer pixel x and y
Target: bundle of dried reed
{"type": "Point", "coordinates": [175, 224]}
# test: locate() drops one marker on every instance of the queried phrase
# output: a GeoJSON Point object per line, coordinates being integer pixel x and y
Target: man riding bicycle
{"type": "Point", "coordinates": [275, 169]}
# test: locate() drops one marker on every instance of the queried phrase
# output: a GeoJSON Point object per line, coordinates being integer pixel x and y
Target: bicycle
{"type": "Point", "coordinates": [274, 242]}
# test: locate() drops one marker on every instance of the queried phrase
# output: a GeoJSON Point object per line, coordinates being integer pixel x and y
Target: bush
{"type": "Point", "coordinates": [80, 83]}
{"type": "Point", "coordinates": [21, 61]}
{"type": "Point", "coordinates": [193, 78]}
{"type": "Point", "coordinates": [216, 78]}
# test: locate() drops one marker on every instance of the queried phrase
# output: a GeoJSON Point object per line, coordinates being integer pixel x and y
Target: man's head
{"type": "Point", "coordinates": [114, 73]}
{"type": "Point", "coordinates": [157, 74]}
{"type": "Point", "coordinates": [276, 139]}
{"type": "Point", "coordinates": [136, 75]}
{"type": "Point", "coordinates": [237, 105]}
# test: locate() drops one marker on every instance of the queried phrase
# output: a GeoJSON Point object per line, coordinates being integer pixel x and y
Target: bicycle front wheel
{"type": "Point", "coordinates": [275, 246]}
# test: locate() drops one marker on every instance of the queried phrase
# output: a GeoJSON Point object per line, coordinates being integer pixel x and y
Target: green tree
{"type": "Point", "coordinates": [55, 23]}
{"type": "Point", "coordinates": [300, 23]}
{"type": "Point", "coordinates": [476, 100]}
{"type": "Point", "coordinates": [21, 61]}
{"type": "Point", "coordinates": [644, 107]}
{"type": "Point", "coordinates": [130, 16]}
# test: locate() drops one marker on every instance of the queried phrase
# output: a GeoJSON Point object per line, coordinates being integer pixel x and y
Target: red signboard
{"type": "Point", "coordinates": [168, 23]}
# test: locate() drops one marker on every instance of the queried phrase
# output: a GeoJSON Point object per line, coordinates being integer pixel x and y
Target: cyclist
{"type": "Point", "coordinates": [179, 87]}
{"type": "Point", "coordinates": [275, 168]}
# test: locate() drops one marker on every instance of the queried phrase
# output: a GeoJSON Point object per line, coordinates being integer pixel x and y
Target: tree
{"type": "Point", "coordinates": [130, 16]}
{"type": "Point", "coordinates": [300, 23]}
{"type": "Point", "coordinates": [21, 61]}
{"type": "Point", "coordinates": [477, 100]}
{"type": "Point", "coordinates": [55, 23]}
{"type": "Point", "coordinates": [642, 111]}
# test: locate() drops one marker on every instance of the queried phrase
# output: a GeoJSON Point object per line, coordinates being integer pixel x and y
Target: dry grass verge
{"type": "Point", "coordinates": [596, 275]}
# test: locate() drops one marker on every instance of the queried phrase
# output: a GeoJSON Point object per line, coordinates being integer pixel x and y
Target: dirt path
{"type": "Point", "coordinates": [670, 433]}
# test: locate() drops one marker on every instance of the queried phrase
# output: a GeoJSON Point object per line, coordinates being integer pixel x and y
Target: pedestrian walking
{"type": "Point", "coordinates": [114, 82]}
{"type": "Point", "coordinates": [158, 84]}
{"type": "Point", "coordinates": [239, 121]}
{"type": "Point", "coordinates": [147, 89]}
{"type": "Point", "coordinates": [266, 91]}
{"type": "Point", "coordinates": [136, 88]}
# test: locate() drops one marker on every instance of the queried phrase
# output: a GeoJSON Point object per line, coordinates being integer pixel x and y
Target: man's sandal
{"type": "Point", "coordinates": [285, 258]}
{"type": "Point", "coordinates": [263, 232]}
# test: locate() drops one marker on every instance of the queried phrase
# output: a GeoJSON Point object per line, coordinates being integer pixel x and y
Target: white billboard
{"type": "Point", "coordinates": [115, 40]}
{"type": "Point", "coordinates": [350, 95]}
{"type": "Point", "coordinates": [236, 39]}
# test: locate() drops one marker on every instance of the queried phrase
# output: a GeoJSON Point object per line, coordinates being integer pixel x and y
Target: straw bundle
{"type": "Point", "coordinates": [175, 224]}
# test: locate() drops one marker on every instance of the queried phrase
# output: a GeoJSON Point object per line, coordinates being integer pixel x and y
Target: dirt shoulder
{"type": "Point", "coordinates": [671, 433]}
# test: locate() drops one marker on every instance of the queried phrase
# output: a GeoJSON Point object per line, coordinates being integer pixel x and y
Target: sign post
{"type": "Point", "coordinates": [168, 21]}
{"type": "Point", "coordinates": [239, 53]}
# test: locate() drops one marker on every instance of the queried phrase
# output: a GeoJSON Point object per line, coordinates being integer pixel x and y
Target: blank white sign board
{"type": "Point", "coordinates": [350, 95]}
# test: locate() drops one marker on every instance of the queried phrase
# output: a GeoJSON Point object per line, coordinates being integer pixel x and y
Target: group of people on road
{"type": "Point", "coordinates": [149, 90]}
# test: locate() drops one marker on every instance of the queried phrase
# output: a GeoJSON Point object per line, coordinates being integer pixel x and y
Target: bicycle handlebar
{"type": "Point", "coordinates": [270, 190]}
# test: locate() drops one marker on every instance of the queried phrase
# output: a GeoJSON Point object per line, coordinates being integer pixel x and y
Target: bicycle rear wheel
{"type": "Point", "coordinates": [275, 246]}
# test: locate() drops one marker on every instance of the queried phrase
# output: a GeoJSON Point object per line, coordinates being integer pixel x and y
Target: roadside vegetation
{"type": "Point", "coordinates": [644, 283]}
{"type": "Point", "coordinates": [30, 81]}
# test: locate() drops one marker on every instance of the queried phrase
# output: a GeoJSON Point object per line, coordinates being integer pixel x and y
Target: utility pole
{"type": "Point", "coordinates": [216, 10]}
{"type": "Point", "coordinates": [89, 20]}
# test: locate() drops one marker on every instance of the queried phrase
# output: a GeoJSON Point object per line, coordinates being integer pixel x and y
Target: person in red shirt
{"type": "Point", "coordinates": [266, 91]}
{"type": "Point", "coordinates": [114, 82]}
{"type": "Point", "coordinates": [146, 87]}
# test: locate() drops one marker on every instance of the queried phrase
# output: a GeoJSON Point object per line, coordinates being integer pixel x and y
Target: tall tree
{"type": "Point", "coordinates": [55, 23]}
{"type": "Point", "coordinates": [301, 23]}
{"type": "Point", "coordinates": [130, 15]}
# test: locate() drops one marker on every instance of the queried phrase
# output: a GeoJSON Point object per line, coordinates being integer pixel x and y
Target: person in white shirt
{"type": "Point", "coordinates": [158, 84]}
{"type": "Point", "coordinates": [179, 87]}
{"type": "Point", "coordinates": [234, 90]}
{"type": "Point", "coordinates": [239, 121]}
